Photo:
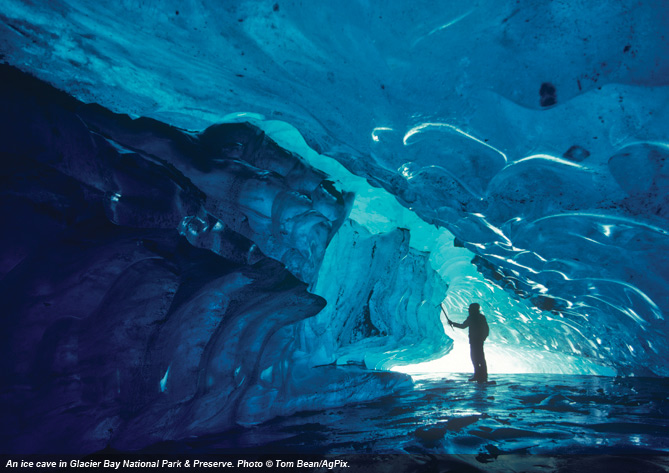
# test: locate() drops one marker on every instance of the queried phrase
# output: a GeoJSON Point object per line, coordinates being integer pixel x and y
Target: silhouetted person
{"type": "Point", "coordinates": [478, 332]}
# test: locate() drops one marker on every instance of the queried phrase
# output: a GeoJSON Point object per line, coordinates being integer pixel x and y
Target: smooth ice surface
{"type": "Point", "coordinates": [313, 181]}
{"type": "Point", "coordinates": [515, 415]}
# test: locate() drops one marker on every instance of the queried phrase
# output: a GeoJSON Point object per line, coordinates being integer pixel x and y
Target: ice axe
{"type": "Point", "coordinates": [446, 315]}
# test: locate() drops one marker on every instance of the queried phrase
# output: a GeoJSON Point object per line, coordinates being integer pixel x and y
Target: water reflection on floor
{"type": "Point", "coordinates": [513, 414]}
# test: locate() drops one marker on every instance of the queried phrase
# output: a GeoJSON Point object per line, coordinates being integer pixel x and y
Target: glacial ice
{"type": "Point", "coordinates": [261, 206]}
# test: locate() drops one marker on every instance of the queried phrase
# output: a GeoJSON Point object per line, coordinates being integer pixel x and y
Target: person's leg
{"type": "Point", "coordinates": [478, 359]}
{"type": "Point", "coordinates": [484, 365]}
{"type": "Point", "coordinates": [472, 353]}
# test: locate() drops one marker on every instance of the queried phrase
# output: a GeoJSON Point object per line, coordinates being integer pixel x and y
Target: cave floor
{"type": "Point", "coordinates": [512, 414]}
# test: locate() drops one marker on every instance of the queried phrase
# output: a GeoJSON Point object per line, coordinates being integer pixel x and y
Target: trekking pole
{"type": "Point", "coordinates": [446, 315]}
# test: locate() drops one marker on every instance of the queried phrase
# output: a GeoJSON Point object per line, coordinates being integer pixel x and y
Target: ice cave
{"type": "Point", "coordinates": [241, 225]}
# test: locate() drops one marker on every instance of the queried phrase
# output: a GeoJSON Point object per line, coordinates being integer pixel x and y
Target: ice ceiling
{"type": "Point", "coordinates": [511, 153]}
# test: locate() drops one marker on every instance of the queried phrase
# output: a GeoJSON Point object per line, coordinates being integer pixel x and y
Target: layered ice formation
{"type": "Point", "coordinates": [217, 213]}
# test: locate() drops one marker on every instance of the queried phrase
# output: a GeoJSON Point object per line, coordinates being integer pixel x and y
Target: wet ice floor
{"type": "Point", "coordinates": [514, 414]}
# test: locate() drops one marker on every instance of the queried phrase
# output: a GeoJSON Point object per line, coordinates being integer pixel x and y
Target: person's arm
{"type": "Point", "coordinates": [465, 324]}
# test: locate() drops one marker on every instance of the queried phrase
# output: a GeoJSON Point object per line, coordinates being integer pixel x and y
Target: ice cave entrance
{"type": "Point", "coordinates": [502, 358]}
{"type": "Point", "coordinates": [523, 339]}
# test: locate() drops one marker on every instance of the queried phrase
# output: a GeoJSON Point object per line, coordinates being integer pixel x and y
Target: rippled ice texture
{"type": "Point", "coordinates": [535, 131]}
{"type": "Point", "coordinates": [527, 138]}
{"type": "Point", "coordinates": [512, 153]}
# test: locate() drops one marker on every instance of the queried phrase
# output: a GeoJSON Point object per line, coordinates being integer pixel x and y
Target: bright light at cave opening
{"type": "Point", "coordinates": [502, 358]}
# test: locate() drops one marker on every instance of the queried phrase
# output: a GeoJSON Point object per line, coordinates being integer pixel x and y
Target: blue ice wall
{"type": "Point", "coordinates": [513, 153]}
{"type": "Point", "coordinates": [151, 280]}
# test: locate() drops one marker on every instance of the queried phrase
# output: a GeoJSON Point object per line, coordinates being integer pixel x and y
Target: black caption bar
{"type": "Point", "coordinates": [354, 463]}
